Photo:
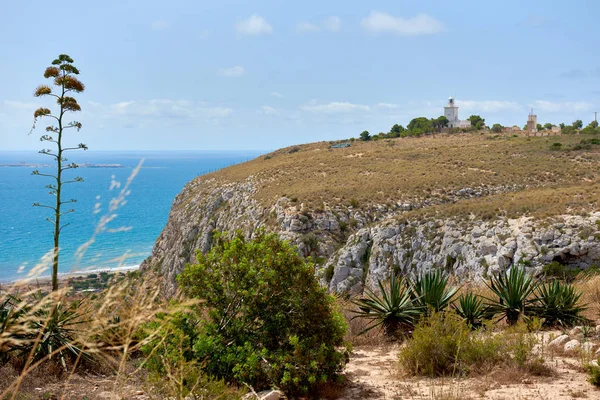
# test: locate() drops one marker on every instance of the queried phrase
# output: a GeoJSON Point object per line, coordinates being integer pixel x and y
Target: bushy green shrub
{"type": "Point", "coordinates": [559, 271]}
{"type": "Point", "coordinates": [167, 345]}
{"type": "Point", "coordinates": [269, 322]}
{"type": "Point", "coordinates": [444, 345]}
{"type": "Point", "coordinates": [594, 374]}
{"type": "Point", "coordinates": [435, 346]}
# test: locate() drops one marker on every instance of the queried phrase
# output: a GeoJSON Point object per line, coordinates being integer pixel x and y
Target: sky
{"type": "Point", "coordinates": [245, 75]}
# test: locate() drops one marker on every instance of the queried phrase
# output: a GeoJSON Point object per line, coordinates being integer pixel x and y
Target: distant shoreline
{"type": "Point", "coordinates": [86, 165]}
{"type": "Point", "coordinates": [66, 275]}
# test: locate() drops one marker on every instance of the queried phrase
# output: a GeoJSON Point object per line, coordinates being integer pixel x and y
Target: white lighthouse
{"type": "Point", "coordinates": [451, 112]}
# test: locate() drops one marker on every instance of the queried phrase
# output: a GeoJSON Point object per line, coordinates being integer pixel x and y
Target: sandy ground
{"type": "Point", "coordinates": [373, 373]}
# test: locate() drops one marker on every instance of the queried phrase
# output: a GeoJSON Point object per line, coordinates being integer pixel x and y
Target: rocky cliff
{"type": "Point", "coordinates": [353, 245]}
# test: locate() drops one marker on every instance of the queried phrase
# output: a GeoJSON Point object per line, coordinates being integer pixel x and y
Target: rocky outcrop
{"type": "Point", "coordinates": [469, 249]}
{"type": "Point", "coordinates": [356, 246]}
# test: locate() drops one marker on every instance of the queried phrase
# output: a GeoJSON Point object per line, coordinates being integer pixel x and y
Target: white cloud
{"type": "Point", "coordinates": [305, 27]}
{"type": "Point", "coordinates": [21, 105]}
{"type": "Point", "coordinates": [267, 110]}
{"type": "Point", "coordinates": [388, 106]}
{"type": "Point", "coordinates": [255, 25]}
{"type": "Point", "coordinates": [160, 25]}
{"type": "Point", "coordinates": [333, 24]}
{"type": "Point", "coordinates": [232, 72]}
{"type": "Point", "coordinates": [565, 107]}
{"type": "Point", "coordinates": [335, 107]}
{"type": "Point", "coordinates": [277, 94]}
{"type": "Point", "coordinates": [216, 112]}
{"type": "Point", "coordinates": [421, 24]}
{"type": "Point", "coordinates": [159, 109]}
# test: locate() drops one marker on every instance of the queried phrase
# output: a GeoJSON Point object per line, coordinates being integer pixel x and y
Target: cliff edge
{"type": "Point", "coordinates": [470, 204]}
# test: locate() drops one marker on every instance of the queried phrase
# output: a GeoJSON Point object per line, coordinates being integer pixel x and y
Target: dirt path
{"type": "Point", "coordinates": [373, 374]}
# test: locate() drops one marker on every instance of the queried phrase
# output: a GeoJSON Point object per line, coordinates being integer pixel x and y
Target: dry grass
{"type": "Point", "coordinates": [434, 167]}
{"type": "Point", "coordinates": [590, 289]}
{"type": "Point", "coordinates": [107, 330]}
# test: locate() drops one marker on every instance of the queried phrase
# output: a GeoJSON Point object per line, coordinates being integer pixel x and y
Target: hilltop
{"type": "Point", "coordinates": [432, 167]}
{"type": "Point", "coordinates": [468, 203]}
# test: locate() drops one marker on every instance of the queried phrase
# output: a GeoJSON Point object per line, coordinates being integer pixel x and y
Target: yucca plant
{"type": "Point", "coordinates": [557, 303]}
{"type": "Point", "coordinates": [392, 308]}
{"type": "Point", "coordinates": [48, 329]}
{"type": "Point", "coordinates": [471, 309]}
{"type": "Point", "coordinates": [513, 290]}
{"type": "Point", "coordinates": [430, 291]}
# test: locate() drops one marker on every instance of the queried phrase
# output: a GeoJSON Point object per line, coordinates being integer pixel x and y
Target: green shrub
{"type": "Point", "coordinates": [392, 308]}
{"type": "Point", "coordinates": [167, 345]}
{"type": "Point", "coordinates": [559, 271]}
{"type": "Point", "coordinates": [444, 345]}
{"type": "Point", "coordinates": [471, 308]}
{"type": "Point", "coordinates": [430, 291]}
{"type": "Point", "coordinates": [434, 348]}
{"type": "Point", "coordinates": [594, 374]}
{"type": "Point", "coordinates": [512, 290]}
{"type": "Point", "coordinates": [556, 146]}
{"type": "Point", "coordinates": [558, 303]}
{"type": "Point", "coordinates": [269, 322]}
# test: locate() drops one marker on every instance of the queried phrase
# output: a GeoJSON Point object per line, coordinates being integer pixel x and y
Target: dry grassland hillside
{"type": "Point", "coordinates": [540, 179]}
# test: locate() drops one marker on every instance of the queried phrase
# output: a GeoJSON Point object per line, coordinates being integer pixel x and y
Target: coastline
{"type": "Point", "coordinates": [73, 274]}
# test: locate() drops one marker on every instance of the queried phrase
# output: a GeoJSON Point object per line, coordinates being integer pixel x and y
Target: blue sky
{"type": "Point", "coordinates": [263, 74]}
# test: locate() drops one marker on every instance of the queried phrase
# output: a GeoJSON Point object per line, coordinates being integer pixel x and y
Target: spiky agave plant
{"type": "Point", "coordinates": [513, 291]}
{"type": "Point", "coordinates": [50, 328]}
{"type": "Point", "coordinates": [430, 291]}
{"type": "Point", "coordinates": [471, 309]}
{"type": "Point", "coordinates": [557, 303]}
{"type": "Point", "coordinates": [392, 308]}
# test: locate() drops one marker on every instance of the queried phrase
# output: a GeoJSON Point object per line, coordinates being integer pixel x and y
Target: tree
{"type": "Point", "coordinates": [594, 124]}
{"type": "Point", "coordinates": [562, 125]}
{"type": "Point", "coordinates": [578, 124]}
{"type": "Point", "coordinates": [477, 122]}
{"type": "Point", "coordinates": [419, 126]}
{"type": "Point", "coordinates": [539, 127]}
{"type": "Point", "coordinates": [269, 322]}
{"type": "Point", "coordinates": [397, 130]}
{"type": "Point", "coordinates": [548, 126]}
{"type": "Point", "coordinates": [365, 135]}
{"type": "Point", "coordinates": [497, 128]}
{"type": "Point", "coordinates": [440, 122]}
{"type": "Point", "coordinates": [64, 74]}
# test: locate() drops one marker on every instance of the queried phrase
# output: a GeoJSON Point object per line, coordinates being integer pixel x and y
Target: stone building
{"type": "Point", "coordinates": [532, 123]}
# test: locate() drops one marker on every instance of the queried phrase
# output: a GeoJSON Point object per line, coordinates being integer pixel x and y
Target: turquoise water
{"type": "Point", "coordinates": [25, 235]}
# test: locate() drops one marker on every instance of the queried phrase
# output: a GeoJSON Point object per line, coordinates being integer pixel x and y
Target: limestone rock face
{"type": "Point", "coordinates": [469, 249]}
{"type": "Point", "coordinates": [356, 247]}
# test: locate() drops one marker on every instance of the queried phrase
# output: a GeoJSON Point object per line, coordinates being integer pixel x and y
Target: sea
{"type": "Point", "coordinates": [121, 207]}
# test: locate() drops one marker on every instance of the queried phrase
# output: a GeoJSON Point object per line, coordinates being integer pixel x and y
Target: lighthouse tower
{"type": "Point", "coordinates": [451, 112]}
